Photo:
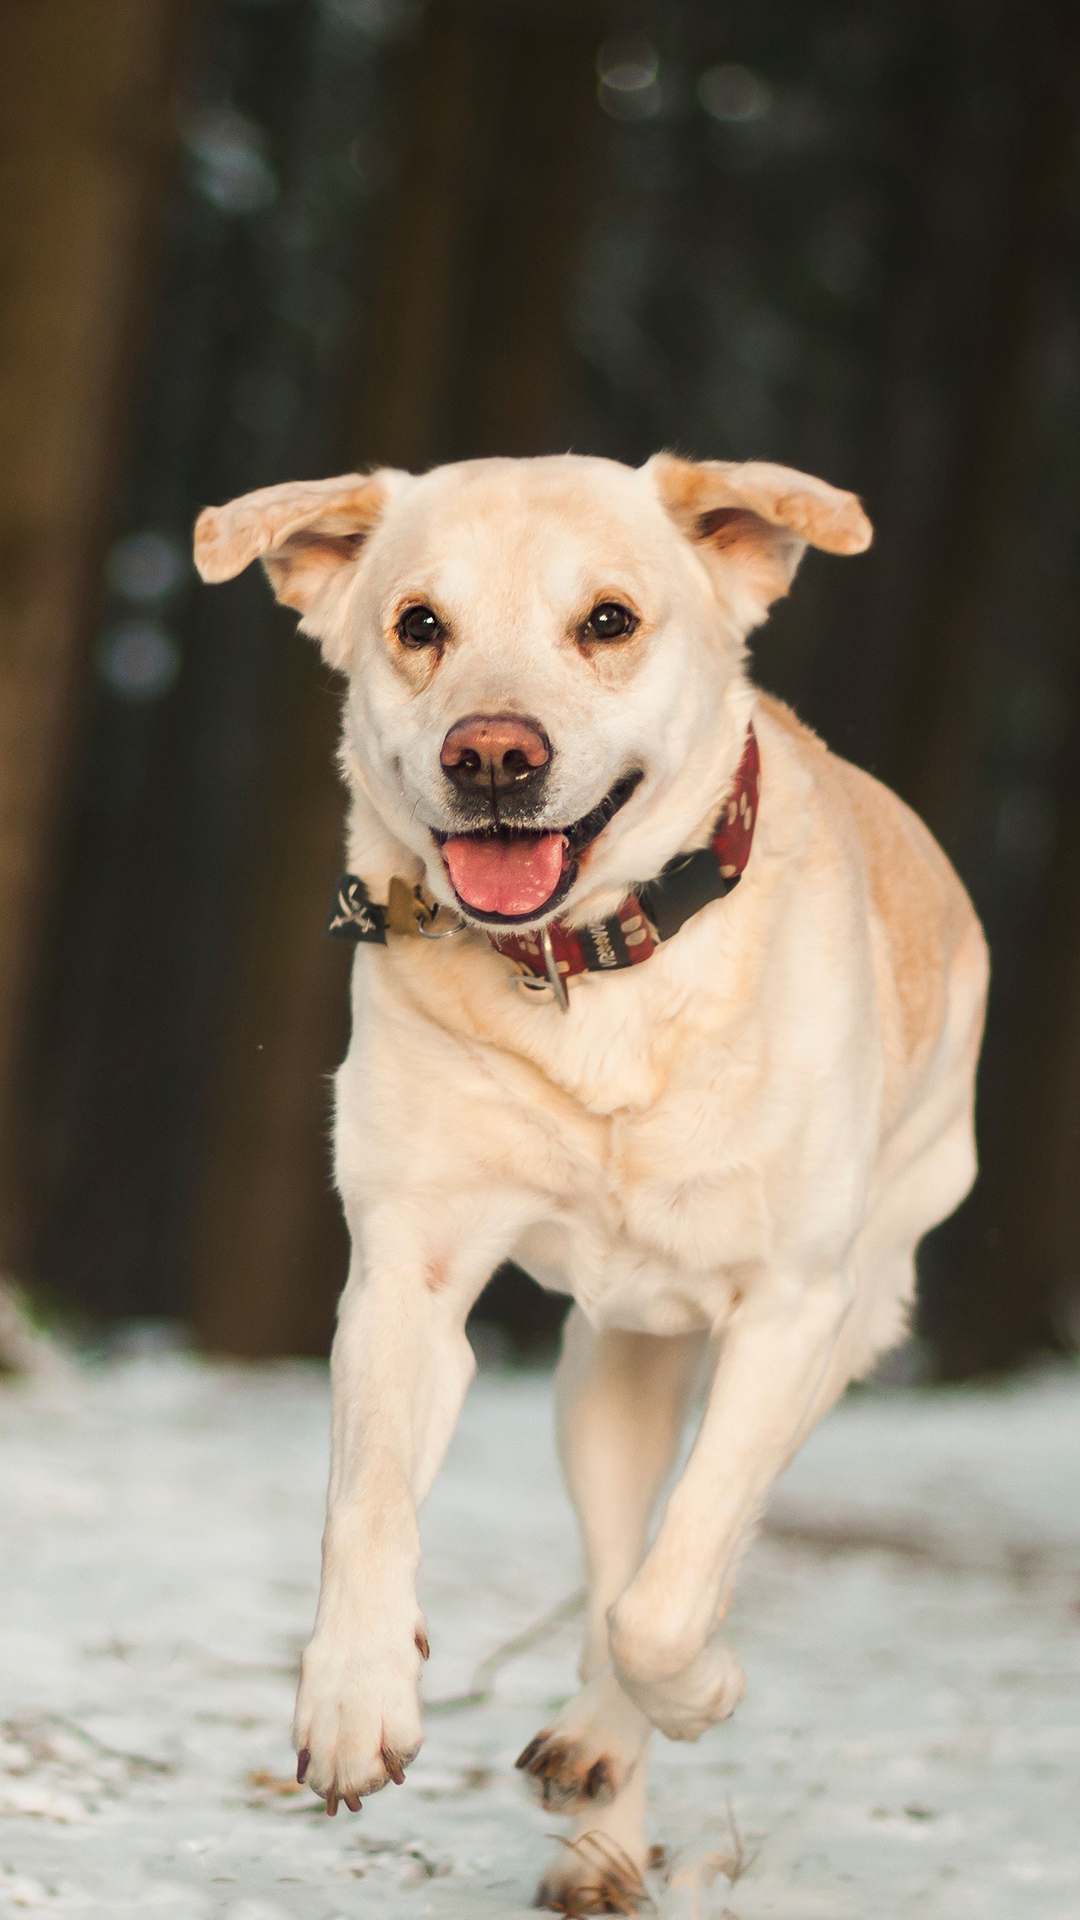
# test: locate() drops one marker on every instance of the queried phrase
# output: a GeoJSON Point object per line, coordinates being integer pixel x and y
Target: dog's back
{"type": "Point", "coordinates": [932, 962]}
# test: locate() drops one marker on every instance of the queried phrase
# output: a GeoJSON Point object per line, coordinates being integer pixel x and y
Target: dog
{"type": "Point", "coordinates": [653, 994]}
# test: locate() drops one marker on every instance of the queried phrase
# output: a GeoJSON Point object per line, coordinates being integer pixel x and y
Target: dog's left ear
{"type": "Point", "coordinates": [308, 535]}
{"type": "Point", "coordinates": [756, 519]}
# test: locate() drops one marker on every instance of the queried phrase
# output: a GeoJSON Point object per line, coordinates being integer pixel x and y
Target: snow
{"type": "Point", "coordinates": [910, 1627]}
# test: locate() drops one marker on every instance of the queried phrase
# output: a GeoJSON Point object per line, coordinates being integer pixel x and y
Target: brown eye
{"type": "Point", "coordinates": [609, 621]}
{"type": "Point", "coordinates": [419, 627]}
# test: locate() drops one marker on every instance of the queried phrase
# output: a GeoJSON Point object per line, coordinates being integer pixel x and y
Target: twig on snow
{"type": "Point", "coordinates": [483, 1681]}
{"type": "Point", "coordinates": [704, 1873]}
{"type": "Point", "coordinates": [620, 1885]}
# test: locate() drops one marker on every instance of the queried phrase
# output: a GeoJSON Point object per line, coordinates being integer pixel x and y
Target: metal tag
{"type": "Point", "coordinates": [406, 911]}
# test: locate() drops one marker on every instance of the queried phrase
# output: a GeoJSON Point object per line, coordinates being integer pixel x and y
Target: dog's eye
{"type": "Point", "coordinates": [419, 627]}
{"type": "Point", "coordinates": [609, 621]}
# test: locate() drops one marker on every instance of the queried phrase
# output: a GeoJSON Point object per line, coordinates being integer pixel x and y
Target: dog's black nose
{"type": "Point", "coordinates": [494, 750]}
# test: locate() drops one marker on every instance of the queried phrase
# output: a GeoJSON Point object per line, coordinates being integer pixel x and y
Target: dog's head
{"type": "Point", "coordinates": [541, 653]}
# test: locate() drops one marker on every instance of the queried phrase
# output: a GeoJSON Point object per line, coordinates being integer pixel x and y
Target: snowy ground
{"type": "Point", "coordinates": [910, 1629]}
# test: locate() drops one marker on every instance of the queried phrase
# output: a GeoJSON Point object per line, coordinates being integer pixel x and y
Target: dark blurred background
{"type": "Point", "coordinates": [250, 240]}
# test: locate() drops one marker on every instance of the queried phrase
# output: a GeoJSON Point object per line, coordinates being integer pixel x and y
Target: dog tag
{"type": "Point", "coordinates": [405, 910]}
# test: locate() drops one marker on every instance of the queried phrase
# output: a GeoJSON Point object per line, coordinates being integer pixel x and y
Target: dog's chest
{"type": "Point", "coordinates": [655, 1207]}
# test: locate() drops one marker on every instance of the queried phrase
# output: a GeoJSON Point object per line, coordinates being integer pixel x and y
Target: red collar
{"type": "Point", "coordinates": [657, 910]}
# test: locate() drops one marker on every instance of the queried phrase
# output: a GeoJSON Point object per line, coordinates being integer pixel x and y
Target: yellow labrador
{"type": "Point", "coordinates": [653, 993]}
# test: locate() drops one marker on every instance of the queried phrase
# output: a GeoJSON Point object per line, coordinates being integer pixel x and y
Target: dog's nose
{"type": "Point", "coordinates": [497, 750]}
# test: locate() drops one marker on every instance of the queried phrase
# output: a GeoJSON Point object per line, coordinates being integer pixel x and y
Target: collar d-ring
{"type": "Point", "coordinates": [551, 967]}
{"type": "Point", "coordinates": [431, 931]}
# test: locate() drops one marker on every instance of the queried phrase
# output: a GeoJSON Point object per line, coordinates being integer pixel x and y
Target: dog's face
{"type": "Point", "coordinates": [538, 651]}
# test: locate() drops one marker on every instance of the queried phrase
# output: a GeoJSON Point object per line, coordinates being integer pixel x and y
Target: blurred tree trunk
{"type": "Point", "coordinates": [1007, 1254]}
{"type": "Point", "coordinates": [935, 762]}
{"type": "Point", "coordinates": [269, 1245]}
{"type": "Point", "coordinates": [84, 136]}
{"type": "Point", "coordinates": [1015, 1280]}
{"type": "Point", "coordinates": [469, 352]}
{"type": "Point", "coordinates": [466, 355]}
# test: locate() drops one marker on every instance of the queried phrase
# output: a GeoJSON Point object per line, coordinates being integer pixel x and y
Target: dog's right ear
{"type": "Point", "coordinates": [751, 521]}
{"type": "Point", "coordinates": [308, 535]}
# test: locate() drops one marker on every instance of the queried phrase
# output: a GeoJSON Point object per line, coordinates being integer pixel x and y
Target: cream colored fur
{"type": "Point", "coordinates": [726, 1155]}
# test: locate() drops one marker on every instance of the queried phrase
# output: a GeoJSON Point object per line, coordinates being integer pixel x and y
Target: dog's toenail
{"type": "Point", "coordinates": [596, 1780]}
{"type": "Point", "coordinates": [393, 1767]}
{"type": "Point", "coordinates": [303, 1761]}
{"type": "Point", "coordinates": [352, 1801]}
{"type": "Point", "coordinates": [529, 1753]}
{"type": "Point", "coordinates": [331, 1803]}
{"type": "Point", "coordinates": [422, 1646]}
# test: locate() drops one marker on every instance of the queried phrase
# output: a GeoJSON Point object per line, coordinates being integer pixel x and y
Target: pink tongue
{"type": "Point", "coordinates": [506, 876]}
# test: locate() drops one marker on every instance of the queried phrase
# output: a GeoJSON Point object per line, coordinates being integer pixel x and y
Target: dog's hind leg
{"type": "Point", "coordinates": [621, 1400]}
{"type": "Point", "coordinates": [600, 1867]}
{"type": "Point", "coordinates": [620, 1407]}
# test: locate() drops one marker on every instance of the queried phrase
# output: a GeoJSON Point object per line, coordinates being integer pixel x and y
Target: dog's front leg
{"type": "Point", "coordinates": [774, 1372]}
{"type": "Point", "coordinates": [400, 1368]}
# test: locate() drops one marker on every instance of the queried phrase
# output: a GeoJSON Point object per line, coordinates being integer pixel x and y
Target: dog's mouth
{"type": "Point", "coordinates": [508, 874]}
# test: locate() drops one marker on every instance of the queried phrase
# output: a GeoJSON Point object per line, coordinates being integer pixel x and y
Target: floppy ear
{"type": "Point", "coordinates": [307, 533]}
{"type": "Point", "coordinates": [752, 521]}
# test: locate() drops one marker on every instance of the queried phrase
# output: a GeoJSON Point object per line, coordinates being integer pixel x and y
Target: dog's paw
{"type": "Point", "coordinates": [684, 1705]}
{"type": "Point", "coordinates": [357, 1722]}
{"type": "Point", "coordinates": [587, 1756]}
{"type": "Point", "coordinates": [593, 1874]}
